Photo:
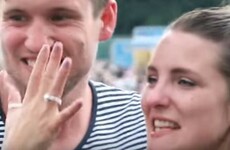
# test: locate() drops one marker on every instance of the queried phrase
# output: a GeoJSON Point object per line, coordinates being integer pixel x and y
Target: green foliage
{"type": "Point", "coordinates": [133, 13]}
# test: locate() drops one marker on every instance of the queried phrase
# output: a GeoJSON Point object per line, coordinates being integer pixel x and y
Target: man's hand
{"type": "Point", "coordinates": [34, 122]}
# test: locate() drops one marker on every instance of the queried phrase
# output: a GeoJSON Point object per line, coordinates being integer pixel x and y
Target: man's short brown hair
{"type": "Point", "coordinates": [98, 5]}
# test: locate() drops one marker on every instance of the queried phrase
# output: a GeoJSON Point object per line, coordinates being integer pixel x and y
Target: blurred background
{"type": "Point", "coordinates": [122, 60]}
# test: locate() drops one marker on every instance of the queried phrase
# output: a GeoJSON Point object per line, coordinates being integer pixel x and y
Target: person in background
{"type": "Point", "coordinates": [186, 101]}
{"type": "Point", "coordinates": [57, 107]}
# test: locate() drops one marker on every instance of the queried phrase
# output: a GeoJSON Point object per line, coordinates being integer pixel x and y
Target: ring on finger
{"type": "Point", "coordinates": [47, 97]}
{"type": "Point", "coordinates": [14, 105]}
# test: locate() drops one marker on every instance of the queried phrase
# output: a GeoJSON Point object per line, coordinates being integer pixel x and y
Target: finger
{"type": "Point", "coordinates": [13, 106]}
{"type": "Point", "coordinates": [55, 58]}
{"type": "Point", "coordinates": [14, 97]}
{"type": "Point", "coordinates": [68, 112]}
{"type": "Point", "coordinates": [59, 82]}
{"type": "Point", "coordinates": [10, 92]}
{"type": "Point", "coordinates": [2, 73]}
{"type": "Point", "coordinates": [61, 78]}
{"type": "Point", "coordinates": [2, 78]}
{"type": "Point", "coordinates": [39, 68]}
{"type": "Point", "coordinates": [52, 67]}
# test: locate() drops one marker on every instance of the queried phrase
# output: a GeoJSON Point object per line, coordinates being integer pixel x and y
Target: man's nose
{"type": "Point", "coordinates": [37, 35]}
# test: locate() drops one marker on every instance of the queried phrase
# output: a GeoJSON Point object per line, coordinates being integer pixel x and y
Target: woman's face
{"type": "Point", "coordinates": [186, 99]}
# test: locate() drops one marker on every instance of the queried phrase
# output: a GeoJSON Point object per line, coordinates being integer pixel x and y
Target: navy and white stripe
{"type": "Point", "coordinates": [2, 130]}
{"type": "Point", "coordinates": [119, 121]}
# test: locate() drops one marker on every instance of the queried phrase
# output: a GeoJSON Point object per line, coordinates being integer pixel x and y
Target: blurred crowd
{"type": "Point", "coordinates": [108, 73]}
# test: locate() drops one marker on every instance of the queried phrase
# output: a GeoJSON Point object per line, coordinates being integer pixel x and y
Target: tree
{"type": "Point", "coordinates": [133, 13]}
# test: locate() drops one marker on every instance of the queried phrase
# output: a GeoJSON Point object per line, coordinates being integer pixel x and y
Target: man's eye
{"type": "Point", "coordinates": [59, 17]}
{"type": "Point", "coordinates": [17, 18]}
{"type": "Point", "coordinates": [151, 79]}
{"type": "Point", "coordinates": [186, 82]}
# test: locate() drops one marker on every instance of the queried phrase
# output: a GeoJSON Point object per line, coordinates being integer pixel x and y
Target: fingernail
{"type": "Point", "coordinates": [67, 62]}
{"type": "Point", "coordinates": [59, 45]}
{"type": "Point", "coordinates": [45, 46]}
{"type": "Point", "coordinates": [45, 49]}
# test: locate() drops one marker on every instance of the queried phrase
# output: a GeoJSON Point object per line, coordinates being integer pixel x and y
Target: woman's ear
{"type": "Point", "coordinates": [109, 20]}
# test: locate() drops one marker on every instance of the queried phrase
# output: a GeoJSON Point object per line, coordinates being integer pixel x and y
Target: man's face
{"type": "Point", "coordinates": [186, 100]}
{"type": "Point", "coordinates": [27, 25]}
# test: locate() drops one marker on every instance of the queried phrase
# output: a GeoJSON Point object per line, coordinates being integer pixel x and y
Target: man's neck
{"type": "Point", "coordinates": [81, 91]}
{"type": "Point", "coordinates": [73, 131]}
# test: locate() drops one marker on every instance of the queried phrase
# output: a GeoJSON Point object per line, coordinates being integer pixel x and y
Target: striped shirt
{"type": "Point", "coordinates": [117, 121]}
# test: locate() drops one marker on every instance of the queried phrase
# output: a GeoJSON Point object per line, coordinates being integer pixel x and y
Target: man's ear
{"type": "Point", "coordinates": [228, 107]}
{"type": "Point", "coordinates": [109, 20]}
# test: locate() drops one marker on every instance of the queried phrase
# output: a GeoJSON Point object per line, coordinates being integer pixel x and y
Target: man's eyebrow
{"type": "Point", "coordinates": [70, 11]}
{"type": "Point", "coordinates": [64, 9]}
{"type": "Point", "coordinates": [13, 10]}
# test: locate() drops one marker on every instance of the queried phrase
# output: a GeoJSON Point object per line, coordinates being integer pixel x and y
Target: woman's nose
{"type": "Point", "coordinates": [156, 97]}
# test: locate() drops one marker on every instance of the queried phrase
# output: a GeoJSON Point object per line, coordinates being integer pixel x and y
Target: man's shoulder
{"type": "Point", "coordinates": [102, 86]}
{"type": "Point", "coordinates": [104, 90]}
{"type": "Point", "coordinates": [119, 121]}
{"type": "Point", "coordinates": [112, 98]}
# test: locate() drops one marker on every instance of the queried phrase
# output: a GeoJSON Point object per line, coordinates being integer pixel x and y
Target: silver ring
{"type": "Point", "coordinates": [56, 99]}
{"type": "Point", "coordinates": [14, 105]}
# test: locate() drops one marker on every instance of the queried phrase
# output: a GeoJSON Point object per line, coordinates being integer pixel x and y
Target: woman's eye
{"type": "Point", "coordinates": [186, 82]}
{"type": "Point", "coordinates": [151, 79]}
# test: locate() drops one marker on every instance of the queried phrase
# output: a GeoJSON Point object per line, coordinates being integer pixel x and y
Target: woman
{"type": "Point", "coordinates": [187, 100]}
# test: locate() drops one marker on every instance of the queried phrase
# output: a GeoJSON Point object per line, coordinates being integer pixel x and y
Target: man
{"type": "Point", "coordinates": [65, 32]}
